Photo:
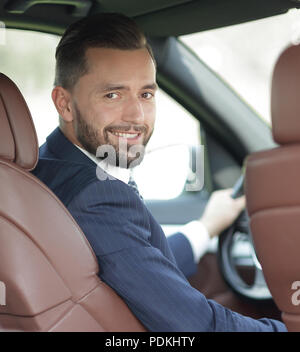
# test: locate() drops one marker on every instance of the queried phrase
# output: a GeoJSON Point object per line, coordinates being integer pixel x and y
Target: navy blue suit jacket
{"type": "Point", "coordinates": [134, 256]}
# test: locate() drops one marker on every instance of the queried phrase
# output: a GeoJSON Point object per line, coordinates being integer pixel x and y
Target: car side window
{"type": "Point", "coordinates": [32, 67]}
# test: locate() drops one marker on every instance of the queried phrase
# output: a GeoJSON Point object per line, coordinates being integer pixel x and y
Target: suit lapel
{"type": "Point", "coordinates": [63, 149]}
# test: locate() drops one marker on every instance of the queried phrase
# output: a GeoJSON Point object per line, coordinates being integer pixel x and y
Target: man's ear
{"type": "Point", "coordinates": [62, 101]}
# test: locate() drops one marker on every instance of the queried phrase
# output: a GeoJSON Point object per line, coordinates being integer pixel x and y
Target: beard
{"type": "Point", "coordinates": [121, 154]}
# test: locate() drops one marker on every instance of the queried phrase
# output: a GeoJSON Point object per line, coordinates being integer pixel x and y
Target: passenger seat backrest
{"type": "Point", "coordinates": [273, 192]}
{"type": "Point", "coordinates": [47, 266]}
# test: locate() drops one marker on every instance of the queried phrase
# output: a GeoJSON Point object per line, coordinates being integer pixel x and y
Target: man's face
{"type": "Point", "coordinates": [114, 103]}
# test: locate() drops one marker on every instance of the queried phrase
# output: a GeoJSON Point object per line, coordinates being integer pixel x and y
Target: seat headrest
{"type": "Point", "coordinates": [285, 97]}
{"type": "Point", "coordinates": [18, 139]}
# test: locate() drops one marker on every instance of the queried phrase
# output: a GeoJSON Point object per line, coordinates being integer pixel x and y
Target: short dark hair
{"type": "Point", "coordinates": [103, 30]}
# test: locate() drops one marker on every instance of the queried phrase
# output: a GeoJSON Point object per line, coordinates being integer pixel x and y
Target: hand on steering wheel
{"type": "Point", "coordinates": [236, 255]}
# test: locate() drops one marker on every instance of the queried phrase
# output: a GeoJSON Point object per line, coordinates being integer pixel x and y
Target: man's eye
{"type": "Point", "coordinates": [111, 95]}
{"type": "Point", "coordinates": [147, 95]}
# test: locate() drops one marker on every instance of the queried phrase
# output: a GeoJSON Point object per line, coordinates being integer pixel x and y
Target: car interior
{"type": "Point", "coordinates": [274, 215]}
{"type": "Point", "coordinates": [73, 297]}
{"type": "Point", "coordinates": [47, 288]}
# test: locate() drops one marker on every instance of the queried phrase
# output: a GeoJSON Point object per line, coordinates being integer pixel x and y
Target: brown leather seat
{"type": "Point", "coordinates": [47, 267]}
{"type": "Point", "coordinates": [273, 192]}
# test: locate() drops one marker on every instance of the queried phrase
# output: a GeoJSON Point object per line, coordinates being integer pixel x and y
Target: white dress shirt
{"type": "Point", "coordinates": [194, 231]}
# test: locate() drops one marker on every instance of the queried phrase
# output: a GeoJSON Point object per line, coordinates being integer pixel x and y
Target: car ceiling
{"type": "Point", "coordinates": [156, 17]}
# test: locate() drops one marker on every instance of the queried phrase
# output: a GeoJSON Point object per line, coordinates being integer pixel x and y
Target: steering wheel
{"type": "Point", "coordinates": [237, 259]}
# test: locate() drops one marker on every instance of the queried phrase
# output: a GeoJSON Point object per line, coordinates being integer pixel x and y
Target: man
{"type": "Point", "coordinates": [105, 96]}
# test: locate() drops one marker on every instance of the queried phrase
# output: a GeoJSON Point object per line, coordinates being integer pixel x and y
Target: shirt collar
{"type": "Point", "coordinates": [121, 174]}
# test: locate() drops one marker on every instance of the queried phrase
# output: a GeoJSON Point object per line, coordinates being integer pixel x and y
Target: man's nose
{"type": "Point", "coordinates": [133, 112]}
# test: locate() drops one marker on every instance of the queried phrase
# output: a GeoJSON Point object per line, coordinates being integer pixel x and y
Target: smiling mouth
{"type": "Point", "coordinates": [127, 135]}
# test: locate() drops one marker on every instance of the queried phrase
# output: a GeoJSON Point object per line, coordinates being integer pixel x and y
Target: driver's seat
{"type": "Point", "coordinates": [48, 272]}
{"type": "Point", "coordinates": [273, 192]}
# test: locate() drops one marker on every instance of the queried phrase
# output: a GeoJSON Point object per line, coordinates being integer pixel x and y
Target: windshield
{"type": "Point", "coordinates": [244, 55]}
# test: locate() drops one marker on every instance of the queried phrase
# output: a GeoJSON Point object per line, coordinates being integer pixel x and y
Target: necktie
{"type": "Point", "coordinates": [133, 185]}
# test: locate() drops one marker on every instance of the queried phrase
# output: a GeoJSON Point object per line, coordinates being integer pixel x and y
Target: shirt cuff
{"type": "Point", "coordinates": [198, 236]}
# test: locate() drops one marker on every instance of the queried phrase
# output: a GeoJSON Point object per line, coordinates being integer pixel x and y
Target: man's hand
{"type": "Point", "coordinates": [221, 211]}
